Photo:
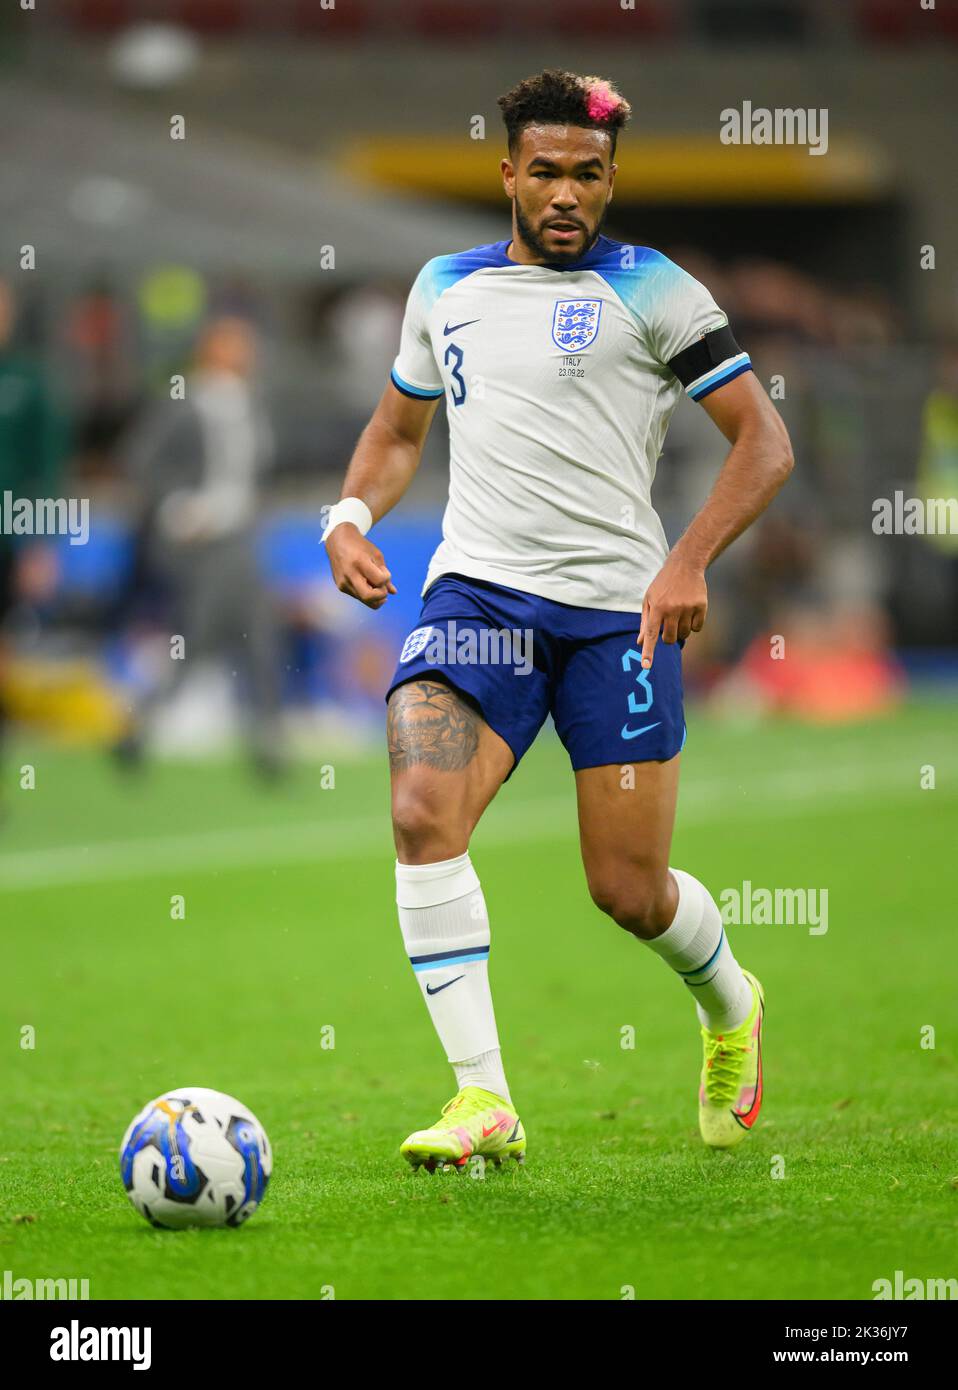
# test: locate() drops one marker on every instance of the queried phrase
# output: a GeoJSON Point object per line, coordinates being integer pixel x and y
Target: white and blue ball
{"type": "Point", "coordinates": [195, 1157]}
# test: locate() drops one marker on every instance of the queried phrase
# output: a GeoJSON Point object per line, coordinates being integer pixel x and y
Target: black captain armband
{"type": "Point", "coordinates": [711, 361]}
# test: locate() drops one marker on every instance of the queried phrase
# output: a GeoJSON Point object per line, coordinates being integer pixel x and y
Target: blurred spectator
{"type": "Point", "coordinates": [197, 465]}
{"type": "Point", "coordinates": [778, 301]}
{"type": "Point", "coordinates": [938, 478]}
{"type": "Point", "coordinates": [938, 464]}
{"type": "Point", "coordinates": [32, 450]}
{"type": "Point", "coordinates": [365, 327]}
{"type": "Point", "coordinates": [172, 301]}
{"type": "Point", "coordinates": [825, 665]}
{"type": "Point", "coordinates": [101, 366]}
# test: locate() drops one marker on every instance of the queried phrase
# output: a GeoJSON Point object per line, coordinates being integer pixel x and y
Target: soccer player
{"type": "Point", "coordinates": [561, 355]}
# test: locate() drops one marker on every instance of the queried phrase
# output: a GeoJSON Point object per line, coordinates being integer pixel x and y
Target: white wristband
{"type": "Point", "coordinates": [352, 509]}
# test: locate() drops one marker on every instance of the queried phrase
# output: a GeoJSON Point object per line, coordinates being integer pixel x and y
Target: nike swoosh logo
{"type": "Point", "coordinates": [439, 988]}
{"type": "Point", "coordinates": [634, 733]}
{"type": "Point", "coordinates": [465, 324]}
{"type": "Point", "coordinates": [751, 1114]}
{"type": "Point", "coordinates": [487, 1132]}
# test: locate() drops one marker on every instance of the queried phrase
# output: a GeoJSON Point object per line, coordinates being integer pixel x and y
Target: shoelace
{"type": "Point", "coordinates": [460, 1111]}
{"type": "Point", "coordinates": [447, 1119]}
{"type": "Point", "coordinates": [723, 1068]}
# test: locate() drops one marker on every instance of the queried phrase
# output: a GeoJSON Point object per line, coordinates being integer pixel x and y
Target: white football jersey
{"type": "Point", "coordinates": [559, 386]}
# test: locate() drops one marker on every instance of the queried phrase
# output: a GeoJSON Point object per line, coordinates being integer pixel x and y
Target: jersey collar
{"type": "Point", "coordinates": [596, 253]}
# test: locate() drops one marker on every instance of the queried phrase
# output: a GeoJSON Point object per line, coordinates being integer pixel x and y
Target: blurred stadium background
{"type": "Point", "coordinates": [349, 128]}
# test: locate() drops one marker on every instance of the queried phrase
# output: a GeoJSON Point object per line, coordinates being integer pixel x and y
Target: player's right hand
{"type": "Point", "coordinates": [358, 566]}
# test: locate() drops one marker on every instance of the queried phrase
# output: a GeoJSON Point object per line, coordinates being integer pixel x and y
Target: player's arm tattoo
{"type": "Point", "coordinates": [427, 723]}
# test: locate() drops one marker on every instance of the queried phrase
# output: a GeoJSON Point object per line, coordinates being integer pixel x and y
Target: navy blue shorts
{"type": "Point", "coordinates": [522, 658]}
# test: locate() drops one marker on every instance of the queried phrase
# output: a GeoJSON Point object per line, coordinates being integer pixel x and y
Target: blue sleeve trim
{"type": "Point", "coordinates": [713, 383]}
{"type": "Point", "coordinates": [417, 393]}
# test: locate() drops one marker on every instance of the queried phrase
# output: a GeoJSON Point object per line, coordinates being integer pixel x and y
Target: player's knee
{"type": "Point", "coordinates": [636, 903]}
{"type": "Point", "coordinates": [415, 814]}
{"type": "Point", "coordinates": [425, 829]}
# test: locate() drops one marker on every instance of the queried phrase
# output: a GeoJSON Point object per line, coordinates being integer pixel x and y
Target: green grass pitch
{"type": "Point", "coordinates": [290, 928]}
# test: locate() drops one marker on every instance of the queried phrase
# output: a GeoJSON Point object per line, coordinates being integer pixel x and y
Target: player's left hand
{"type": "Point", "coordinates": [676, 603]}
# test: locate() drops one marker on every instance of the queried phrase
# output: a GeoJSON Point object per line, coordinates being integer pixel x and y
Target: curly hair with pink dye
{"type": "Point", "coordinates": [556, 97]}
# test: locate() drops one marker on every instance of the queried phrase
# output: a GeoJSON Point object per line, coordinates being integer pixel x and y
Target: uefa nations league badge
{"type": "Point", "coordinates": [575, 323]}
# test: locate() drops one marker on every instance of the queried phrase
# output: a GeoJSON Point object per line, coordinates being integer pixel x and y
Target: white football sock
{"type": "Point", "coordinates": [445, 928]}
{"type": "Point", "coordinates": [484, 1071]}
{"type": "Point", "coordinates": [697, 949]}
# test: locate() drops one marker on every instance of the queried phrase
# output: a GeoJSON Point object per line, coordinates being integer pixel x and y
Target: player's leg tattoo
{"type": "Point", "coordinates": [428, 724]}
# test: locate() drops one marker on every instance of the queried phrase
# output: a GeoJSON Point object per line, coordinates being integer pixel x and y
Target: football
{"type": "Point", "coordinates": [195, 1157]}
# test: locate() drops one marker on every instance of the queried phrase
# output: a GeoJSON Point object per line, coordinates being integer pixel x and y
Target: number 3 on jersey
{"type": "Point", "coordinates": [453, 357]}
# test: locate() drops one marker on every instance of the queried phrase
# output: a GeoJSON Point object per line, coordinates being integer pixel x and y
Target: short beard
{"type": "Point", "coordinates": [537, 246]}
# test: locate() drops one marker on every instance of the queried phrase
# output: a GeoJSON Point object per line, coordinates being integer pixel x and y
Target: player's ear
{"type": "Point", "coordinates": [612, 169]}
{"type": "Point", "coordinates": [508, 177]}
